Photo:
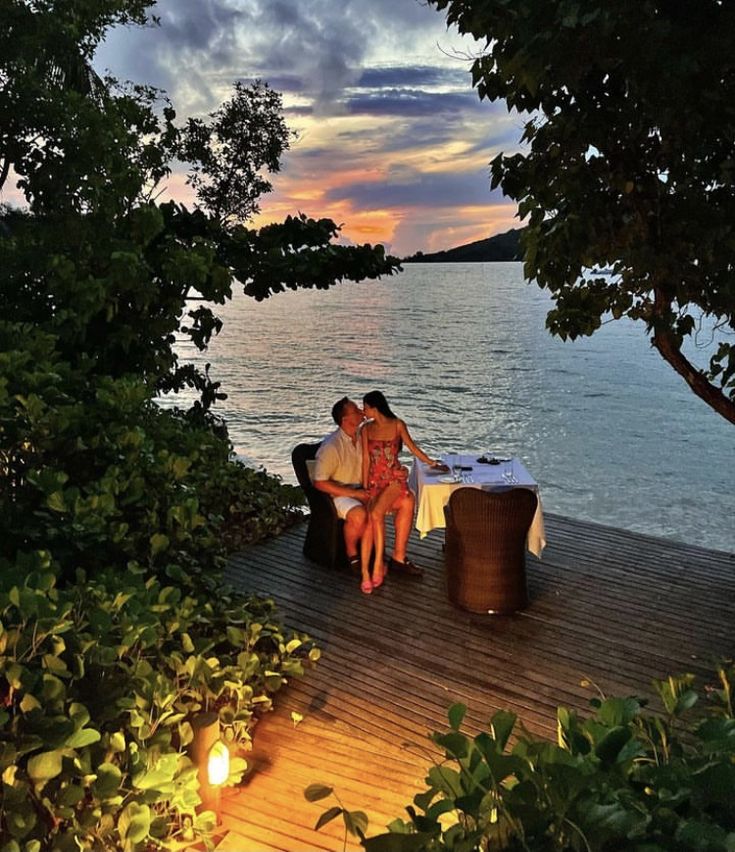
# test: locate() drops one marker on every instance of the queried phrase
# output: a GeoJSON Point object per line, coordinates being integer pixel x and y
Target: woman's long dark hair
{"type": "Point", "coordinates": [377, 400]}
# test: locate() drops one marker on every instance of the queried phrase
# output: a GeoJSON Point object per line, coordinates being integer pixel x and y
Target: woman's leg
{"type": "Point", "coordinates": [377, 512]}
{"type": "Point", "coordinates": [366, 546]}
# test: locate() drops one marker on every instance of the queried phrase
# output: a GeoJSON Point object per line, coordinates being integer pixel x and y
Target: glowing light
{"type": "Point", "coordinates": [218, 763]}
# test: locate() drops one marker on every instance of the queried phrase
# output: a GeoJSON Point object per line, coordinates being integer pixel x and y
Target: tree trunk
{"type": "Point", "coordinates": [666, 343]}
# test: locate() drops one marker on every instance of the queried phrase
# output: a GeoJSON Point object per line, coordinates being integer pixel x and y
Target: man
{"type": "Point", "coordinates": [338, 473]}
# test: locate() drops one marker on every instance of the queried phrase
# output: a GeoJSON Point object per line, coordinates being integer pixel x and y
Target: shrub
{"type": "Point", "coordinates": [623, 779]}
{"type": "Point", "coordinates": [94, 466]}
{"type": "Point", "coordinates": [99, 682]}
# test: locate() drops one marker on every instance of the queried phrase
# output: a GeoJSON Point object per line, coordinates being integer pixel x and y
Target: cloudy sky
{"type": "Point", "coordinates": [392, 141]}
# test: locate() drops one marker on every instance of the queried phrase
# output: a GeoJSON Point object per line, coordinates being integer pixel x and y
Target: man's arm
{"type": "Point", "coordinates": [326, 464]}
{"type": "Point", "coordinates": [336, 489]}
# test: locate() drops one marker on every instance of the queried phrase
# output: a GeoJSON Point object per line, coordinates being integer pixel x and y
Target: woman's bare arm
{"type": "Point", "coordinates": [413, 448]}
{"type": "Point", "coordinates": [365, 456]}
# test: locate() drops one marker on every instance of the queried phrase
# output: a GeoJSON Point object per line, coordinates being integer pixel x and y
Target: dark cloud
{"type": "Point", "coordinates": [421, 75]}
{"type": "Point", "coordinates": [368, 85]}
{"type": "Point", "coordinates": [412, 102]}
{"type": "Point", "coordinates": [316, 43]}
{"type": "Point", "coordinates": [318, 49]}
{"type": "Point", "coordinates": [412, 189]}
{"type": "Point", "coordinates": [200, 24]}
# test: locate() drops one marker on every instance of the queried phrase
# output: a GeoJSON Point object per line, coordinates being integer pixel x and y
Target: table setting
{"type": "Point", "coordinates": [434, 485]}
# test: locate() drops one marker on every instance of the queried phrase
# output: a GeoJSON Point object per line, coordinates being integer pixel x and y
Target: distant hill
{"type": "Point", "coordinates": [500, 247]}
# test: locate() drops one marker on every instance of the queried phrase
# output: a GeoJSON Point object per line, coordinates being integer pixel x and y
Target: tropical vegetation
{"type": "Point", "coordinates": [628, 164]}
{"type": "Point", "coordinates": [115, 512]}
{"type": "Point", "coordinates": [624, 779]}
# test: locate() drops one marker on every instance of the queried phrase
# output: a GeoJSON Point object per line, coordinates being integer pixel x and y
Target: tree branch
{"type": "Point", "coordinates": [665, 341]}
{"type": "Point", "coordinates": [4, 171]}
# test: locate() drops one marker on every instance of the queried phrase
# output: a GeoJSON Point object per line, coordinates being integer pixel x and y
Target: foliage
{"type": "Point", "coordinates": [94, 467]}
{"type": "Point", "coordinates": [629, 163]}
{"type": "Point", "coordinates": [115, 513]}
{"type": "Point", "coordinates": [355, 822]}
{"type": "Point", "coordinates": [99, 682]}
{"type": "Point", "coordinates": [95, 287]}
{"type": "Point", "coordinates": [623, 779]}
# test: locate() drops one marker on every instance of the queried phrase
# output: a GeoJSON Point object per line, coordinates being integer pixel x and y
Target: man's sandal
{"type": "Point", "coordinates": [406, 567]}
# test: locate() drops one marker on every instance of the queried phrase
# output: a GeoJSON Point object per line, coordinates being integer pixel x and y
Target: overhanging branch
{"type": "Point", "coordinates": [666, 343]}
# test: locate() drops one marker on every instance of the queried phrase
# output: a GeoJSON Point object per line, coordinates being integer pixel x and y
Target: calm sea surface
{"type": "Point", "coordinates": [610, 432]}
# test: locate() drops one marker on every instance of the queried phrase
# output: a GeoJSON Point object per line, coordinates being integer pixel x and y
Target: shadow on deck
{"type": "Point", "coordinates": [607, 605]}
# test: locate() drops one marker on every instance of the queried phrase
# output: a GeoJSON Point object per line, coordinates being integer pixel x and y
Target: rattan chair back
{"type": "Point", "coordinates": [485, 548]}
{"type": "Point", "coordinates": [324, 541]}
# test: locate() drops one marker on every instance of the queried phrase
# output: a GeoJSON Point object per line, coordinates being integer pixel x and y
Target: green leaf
{"type": "Point", "coordinates": [44, 766]}
{"type": "Point", "coordinates": [82, 738]}
{"type": "Point", "coordinates": [501, 727]}
{"type": "Point", "coordinates": [117, 741]}
{"type": "Point", "coordinates": [610, 746]}
{"type": "Point", "coordinates": [315, 792]}
{"type": "Point", "coordinates": [56, 665]}
{"type": "Point", "coordinates": [109, 778]}
{"type": "Point", "coordinates": [327, 816]}
{"type": "Point", "coordinates": [446, 779]}
{"type": "Point", "coordinates": [356, 822]}
{"type": "Point", "coordinates": [394, 842]}
{"type": "Point", "coordinates": [56, 502]}
{"type": "Point", "coordinates": [134, 823]}
{"type": "Point", "coordinates": [159, 542]}
{"type": "Point", "coordinates": [456, 744]}
{"type": "Point", "coordinates": [456, 715]}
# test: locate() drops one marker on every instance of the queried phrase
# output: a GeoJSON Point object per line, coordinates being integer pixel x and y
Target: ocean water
{"type": "Point", "coordinates": [610, 432]}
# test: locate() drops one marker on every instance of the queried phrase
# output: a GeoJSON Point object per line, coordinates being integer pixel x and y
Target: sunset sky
{"type": "Point", "coordinates": [393, 143]}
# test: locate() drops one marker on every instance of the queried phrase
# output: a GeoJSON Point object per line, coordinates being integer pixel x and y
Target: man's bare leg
{"type": "Point", "coordinates": [354, 529]}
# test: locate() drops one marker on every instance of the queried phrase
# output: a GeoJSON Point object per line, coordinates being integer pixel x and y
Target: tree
{"type": "Point", "coordinates": [629, 164]}
{"type": "Point", "coordinates": [97, 275]}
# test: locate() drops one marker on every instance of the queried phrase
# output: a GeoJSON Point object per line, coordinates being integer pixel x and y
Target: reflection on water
{"type": "Point", "coordinates": [461, 352]}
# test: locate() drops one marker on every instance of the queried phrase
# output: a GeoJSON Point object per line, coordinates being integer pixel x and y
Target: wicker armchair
{"type": "Point", "coordinates": [324, 542]}
{"type": "Point", "coordinates": [485, 548]}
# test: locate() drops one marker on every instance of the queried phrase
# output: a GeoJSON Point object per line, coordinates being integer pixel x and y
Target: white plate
{"type": "Point", "coordinates": [447, 479]}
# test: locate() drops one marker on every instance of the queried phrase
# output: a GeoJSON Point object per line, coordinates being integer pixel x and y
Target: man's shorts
{"type": "Point", "coordinates": [344, 504]}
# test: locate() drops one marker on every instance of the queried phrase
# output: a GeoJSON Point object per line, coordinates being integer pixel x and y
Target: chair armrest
{"type": "Point", "coordinates": [320, 503]}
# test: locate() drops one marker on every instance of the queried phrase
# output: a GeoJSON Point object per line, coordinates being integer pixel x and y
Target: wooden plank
{"type": "Point", "coordinates": [616, 607]}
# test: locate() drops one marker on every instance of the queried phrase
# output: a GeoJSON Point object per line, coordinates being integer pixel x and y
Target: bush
{"type": "Point", "coordinates": [93, 466]}
{"type": "Point", "coordinates": [99, 683]}
{"type": "Point", "coordinates": [623, 779]}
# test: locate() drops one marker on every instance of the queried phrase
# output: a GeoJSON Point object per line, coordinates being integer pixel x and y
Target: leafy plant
{"type": "Point", "coordinates": [116, 514]}
{"type": "Point", "coordinates": [99, 684]}
{"type": "Point", "coordinates": [612, 174]}
{"type": "Point", "coordinates": [622, 779]}
{"type": "Point", "coordinates": [355, 822]}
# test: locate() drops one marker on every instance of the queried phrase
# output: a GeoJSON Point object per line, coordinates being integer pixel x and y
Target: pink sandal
{"type": "Point", "coordinates": [366, 587]}
{"type": "Point", "coordinates": [378, 581]}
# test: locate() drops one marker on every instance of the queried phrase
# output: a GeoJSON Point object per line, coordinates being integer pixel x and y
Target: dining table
{"type": "Point", "coordinates": [433, 488]}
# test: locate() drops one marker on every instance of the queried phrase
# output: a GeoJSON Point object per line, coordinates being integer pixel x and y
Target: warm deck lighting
{"type": "Point", "coordinates": [212, 759]}
{"type": "Point", "coordinates": [218, 763]}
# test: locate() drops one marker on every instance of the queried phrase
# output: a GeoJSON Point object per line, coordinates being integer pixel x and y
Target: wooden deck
{"type": "Point", "coordinates": [607, 605]}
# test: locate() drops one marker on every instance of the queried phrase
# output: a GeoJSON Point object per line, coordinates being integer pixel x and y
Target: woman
{"type": "Point", "coordinates": [383, 476]}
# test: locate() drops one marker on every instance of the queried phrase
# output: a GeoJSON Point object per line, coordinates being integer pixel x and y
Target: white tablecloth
{"type": "Point", "coordinates": [432, 494]}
